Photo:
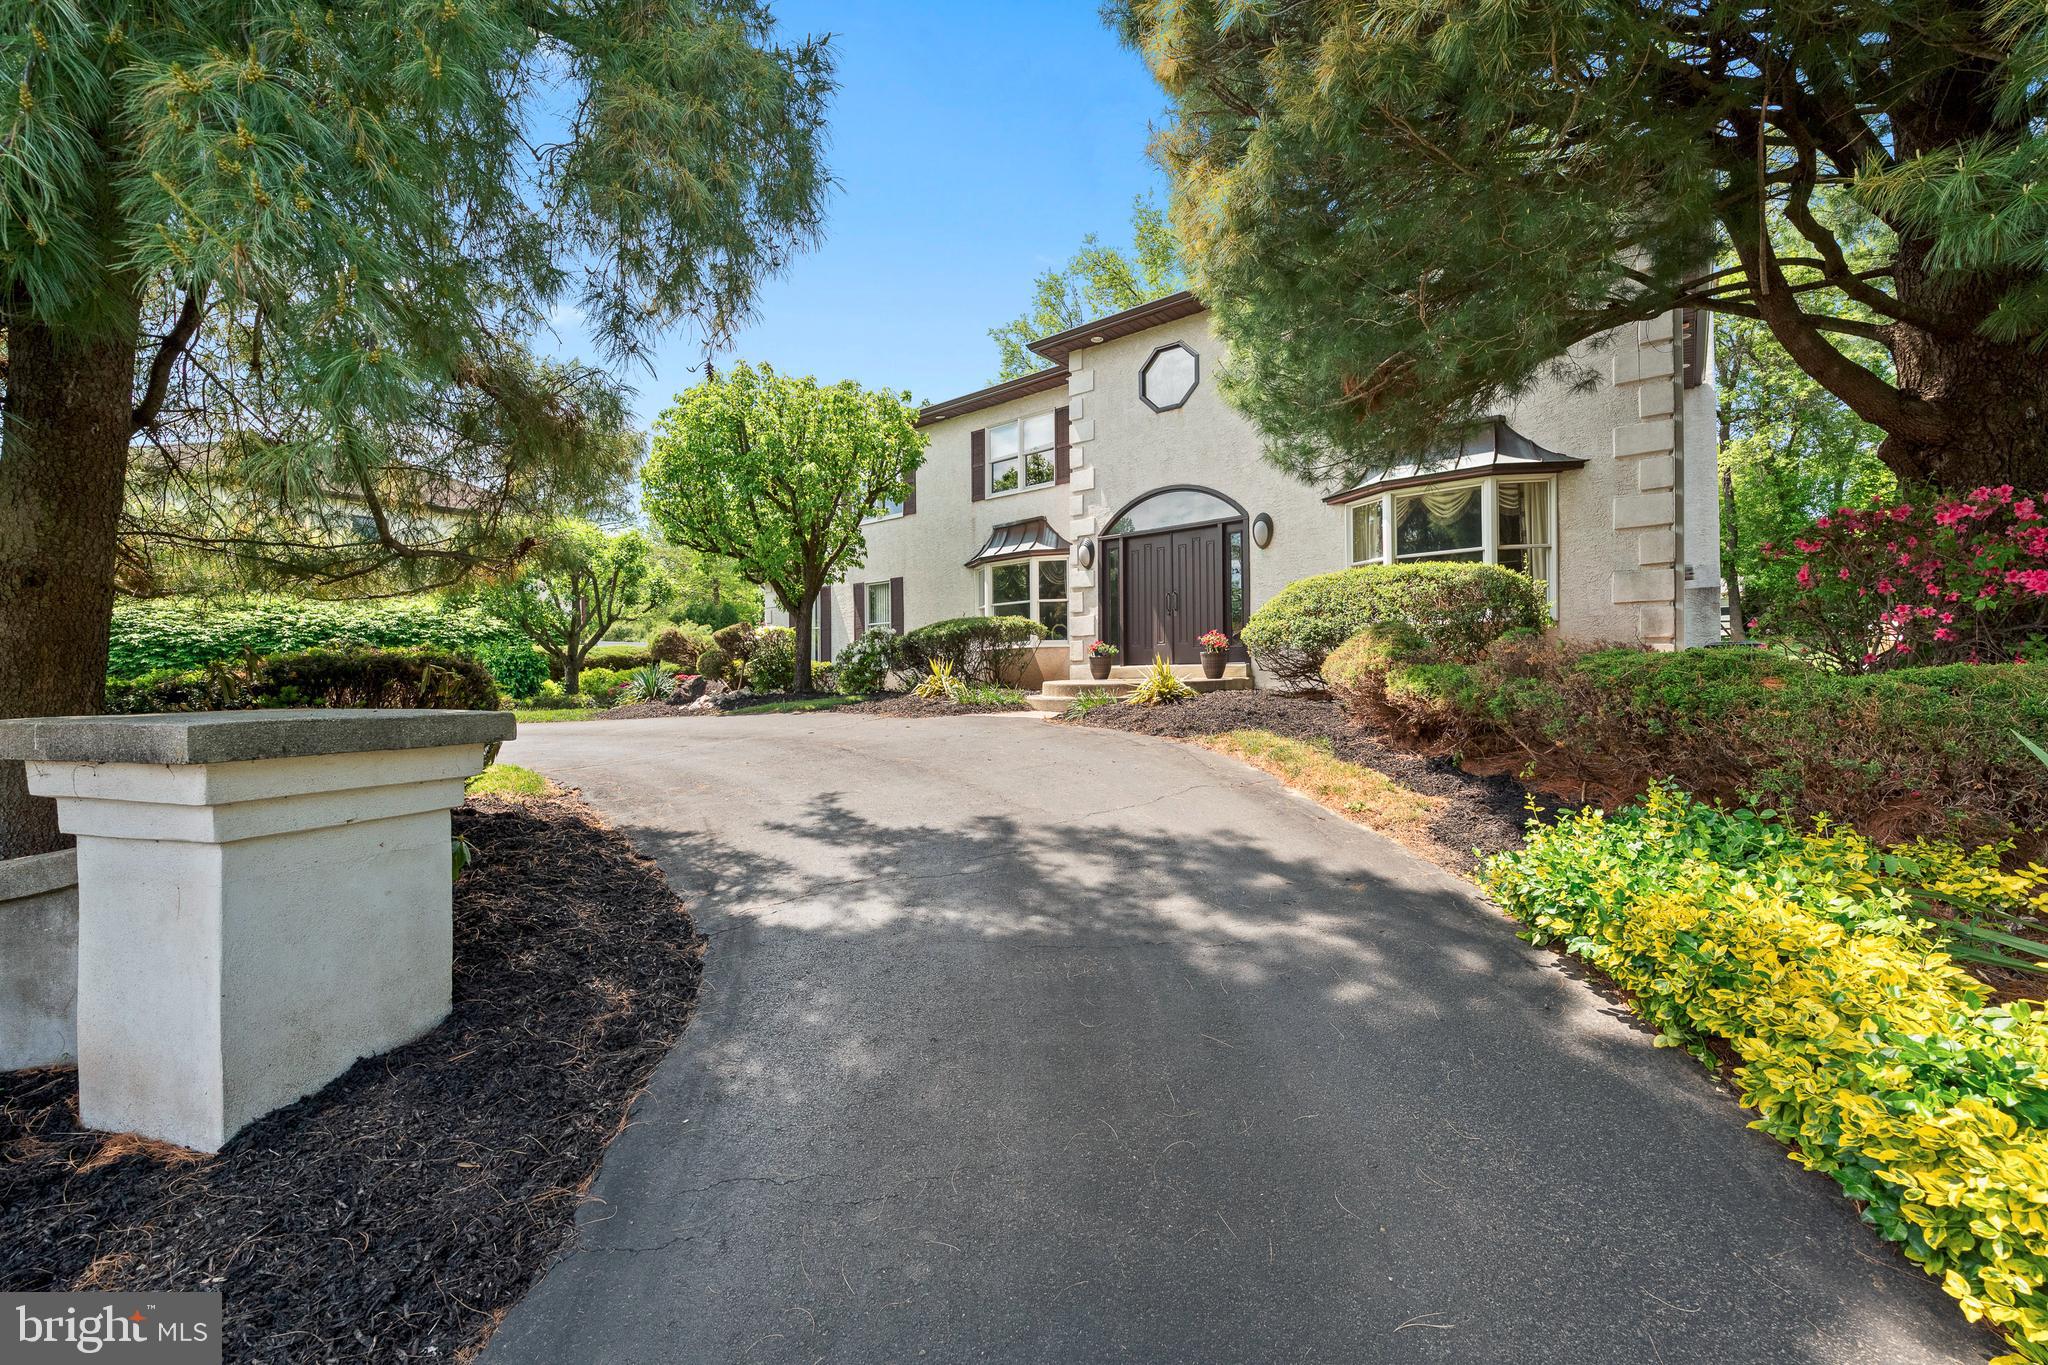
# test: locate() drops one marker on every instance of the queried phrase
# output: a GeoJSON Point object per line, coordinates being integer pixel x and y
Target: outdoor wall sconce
{"type": "Point", "coordinates": [1084, 553]}
{"type": "Point", "coordinates": [1262, 530]}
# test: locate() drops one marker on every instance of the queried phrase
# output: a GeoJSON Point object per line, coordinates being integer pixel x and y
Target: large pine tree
{"type": "Point", "coordinates": [305, 238]}
{"type": "Point", "coordinates": [1400, 208]}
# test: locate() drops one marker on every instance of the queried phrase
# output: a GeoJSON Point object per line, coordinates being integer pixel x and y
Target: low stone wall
{"type": "Point", "coordinates": [39, 960]}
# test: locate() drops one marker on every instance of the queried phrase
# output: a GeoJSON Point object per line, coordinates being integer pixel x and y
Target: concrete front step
{"type": "Point", "coordinates": [1059, 693]}
{"type": "Point", "coordinates": [1192, 672]}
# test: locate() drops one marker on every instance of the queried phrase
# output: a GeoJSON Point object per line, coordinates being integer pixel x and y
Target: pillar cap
{"type": "Point", "coordinates": [193, 737]}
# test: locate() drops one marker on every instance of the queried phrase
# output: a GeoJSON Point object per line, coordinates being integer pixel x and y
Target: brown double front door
{"type": "Point", "coordinates": [1174, 589]}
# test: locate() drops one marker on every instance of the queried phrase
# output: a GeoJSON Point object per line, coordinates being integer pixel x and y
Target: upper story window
{"type": "Point", "coordinates": [1020, 454]}
{"type": "Point", "coordinates": [893, 508]}
{"type": "Point", "coordinates": [1509, 522]}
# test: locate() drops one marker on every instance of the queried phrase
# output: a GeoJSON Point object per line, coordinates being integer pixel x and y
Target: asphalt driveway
{"type": "Point", "coordinates": [1028, 1043]}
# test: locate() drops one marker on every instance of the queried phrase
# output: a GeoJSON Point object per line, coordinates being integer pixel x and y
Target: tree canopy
{"type": "Point", "coordinates": [778, 473]}
{"type": "Point", "coordinates": [1096, 280]}
{"type": "Point", "coordinates": [581, 582]}
{"type": "Point", "coordinates": [1400, 210]}
{"type": "Point", "coordinates": [300, 243]}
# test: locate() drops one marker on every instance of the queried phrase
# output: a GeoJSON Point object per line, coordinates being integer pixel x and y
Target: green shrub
{"type": "Point", "coordinates": [551, 697]}
{"type": "Point", "coordinates": [1917, 751]}
{"type": "Point", "coordinates": [863, 666]}
{"type": "Point", "coordinates": [629, 654]}
{"type": "Point", "coordinates": [772, 666]}
{"type": "Point", "coordinates": [604, 686]}
{"type": "Point", "coordinates": [190, 633]}
{"type": "Point", "coordinates": [680, 645]}
{"type": "Point", "coordinates": [981, 649]}
{"type": "Point", "coordinates": [380, 678]}
{"type": "Point", "coordinates": [1857, 1042]}
{"type": "Point", "coordinates": [521, 670]}
{"type": "Point", "coordinates": [1456, 610]}
{"type": "Point", "coordinates": [737, 639]}
{"type": "Point", "coordinates": [714, 664]}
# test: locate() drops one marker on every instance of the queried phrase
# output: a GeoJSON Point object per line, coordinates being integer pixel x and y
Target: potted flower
{"type": "Point", "coordinates": [1215, 648]}
{"type": "Point", "coordinates": [1101, 655]}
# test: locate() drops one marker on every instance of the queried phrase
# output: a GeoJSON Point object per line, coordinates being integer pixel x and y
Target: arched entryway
{"type": "Point", "coordinates": [1173, 567]}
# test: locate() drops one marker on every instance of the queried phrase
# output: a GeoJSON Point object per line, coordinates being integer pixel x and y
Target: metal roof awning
{"type": "Point", "coordinates": [1492, 448]}
{"type": "Point", "coordinates": [1020, 540]}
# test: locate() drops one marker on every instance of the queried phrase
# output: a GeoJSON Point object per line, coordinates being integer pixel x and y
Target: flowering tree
{"type": "Point", "coordinates": [1960, 580]}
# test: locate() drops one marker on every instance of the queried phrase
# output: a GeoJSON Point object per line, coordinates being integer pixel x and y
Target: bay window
{"type": "Point", "coordinates": [1510, 522]}
{"type": "Point", "coordinates": [1034, 588]}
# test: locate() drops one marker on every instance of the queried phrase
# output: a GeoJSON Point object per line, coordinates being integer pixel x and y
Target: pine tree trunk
{"type": "Point", "coordinates": [63, 459]}
{"type": "Point", "coordinates": [1992, 405]}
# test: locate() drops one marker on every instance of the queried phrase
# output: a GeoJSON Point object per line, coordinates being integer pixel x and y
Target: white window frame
{"type": "Point", "coordinates": [1022, 459]}
{"type": "Point", "coordinates": [986, 589]}
{"type": "Point", "coordinates": [1489, 524]}
{"type": "Point", "coordinates": [889, 512]}
{"type": "Point", "coordinates": [886, 617]}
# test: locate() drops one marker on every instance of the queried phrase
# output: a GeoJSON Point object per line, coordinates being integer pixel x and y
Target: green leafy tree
{"type": "Point", "coordinates": [1096, 280]}
{"type": "Point", "coordinates": [711, 590]}
{"type": "Point", "coordinates": [777, 473]}
{"type": "Point", "coordinates": [579, 584]}
{"type": "Point", "coordinates": [1400, 210]}
{"type": "Point", "coordinates": [304, 239]}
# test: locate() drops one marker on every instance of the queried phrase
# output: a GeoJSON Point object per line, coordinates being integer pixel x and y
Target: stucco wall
{"type": "Point", "coordinates": [1629, 523]}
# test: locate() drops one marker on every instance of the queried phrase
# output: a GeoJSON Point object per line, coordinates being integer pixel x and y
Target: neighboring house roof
{"type": "Point", "coordinates": [1060, 345]}
{"type": "Point", "coordinates": [1494, 447]}
{"type": "Point", "coordinates": [1020, 540]}
{"type": "Point", "coordinates": [1054, 378]}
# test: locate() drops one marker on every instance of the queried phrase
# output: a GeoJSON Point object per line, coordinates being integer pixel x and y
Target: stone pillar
{"type": "Point", "coordinates": [1649, 517]}
{"type": "Point", "coordinates": [38, 960]}
{"type": "Point", "coordinates": [1083, 510]}
{"type": "Point", "coordinates": [264, 898]}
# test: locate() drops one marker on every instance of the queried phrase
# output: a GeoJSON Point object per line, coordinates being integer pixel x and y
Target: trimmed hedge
{"type": "Point", "coordinates": [414, 678]}
{"type": "Point", "coordinates": [1917, 751]}
{"type": "Point", "coordinates": [680, 645]}
{"type": "Point", "coordinates": [981, 649]}
{"type": "Point", "coordinates": [1883, 1065]}
{"type": "Point", "coordinates": [1454, 610]}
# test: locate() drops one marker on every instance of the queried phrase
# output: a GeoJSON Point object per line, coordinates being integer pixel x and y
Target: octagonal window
{"type": "Point", "coordinates": [1168, 377]}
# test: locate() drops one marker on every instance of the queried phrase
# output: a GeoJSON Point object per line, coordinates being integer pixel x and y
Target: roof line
{"type": "Point", "coordinates": [1020, 387]}
{"type": "Point", "coordinates": [1060, 345]}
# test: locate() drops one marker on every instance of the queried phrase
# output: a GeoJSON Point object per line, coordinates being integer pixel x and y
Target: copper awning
{"type": "Point", "coordinates": [1020, 540]}
{"type": "Point", "coordinates": [1493, 448]}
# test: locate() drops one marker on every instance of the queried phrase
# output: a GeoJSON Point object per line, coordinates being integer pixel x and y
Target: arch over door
{"type": "Point", "coordinates": [1177, 569]}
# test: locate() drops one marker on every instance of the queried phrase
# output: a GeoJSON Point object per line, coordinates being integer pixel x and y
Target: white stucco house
{"type": "Point", "coordinates": [1116, 495]}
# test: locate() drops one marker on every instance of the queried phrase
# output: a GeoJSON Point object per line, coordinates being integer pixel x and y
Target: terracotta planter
{"type": "Point", "coordinates": [1099, 665]}
{"type": "Point", "coordinates": [1212, 662]}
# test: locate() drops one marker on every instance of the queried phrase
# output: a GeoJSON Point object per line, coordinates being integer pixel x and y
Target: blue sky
{"type": "Point", "coordinates": [974, 145]}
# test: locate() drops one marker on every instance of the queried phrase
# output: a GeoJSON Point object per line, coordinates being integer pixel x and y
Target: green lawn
{"type": "Point", "coordinates": [552, 714]}
{"type": "Point", "coordinates": [776, 708]}
{"type": "Point", "coordinates": [507, 779]}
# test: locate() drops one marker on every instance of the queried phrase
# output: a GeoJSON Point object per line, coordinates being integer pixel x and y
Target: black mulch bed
{"type": "Point", "coordinates": [394, 1215]}
{"type": "Point", "coordinates": [1486, 813]}
{"type": "Point", "coordinates": [651, 710]}
{"type": "Point", "coordinates": [903, 704]}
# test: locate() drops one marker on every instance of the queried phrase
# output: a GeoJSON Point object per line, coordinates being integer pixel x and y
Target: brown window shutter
{"type": "Point", "coordinates": [860, 610]}
{"type": "Point", "coordinates": [910, 500]}
{"type": "Point", "coordinates": [977, 456]}
{"type": "Point", "coordinates": [1690, 321]}
{"type": "Point", "coordinates": [824, 621]}
{"type": "Point", "coordinates": [896, 605]}
{"type": "Point", "coordinates": [1061, 471]}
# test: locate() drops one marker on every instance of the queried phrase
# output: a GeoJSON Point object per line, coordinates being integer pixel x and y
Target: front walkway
{"type": "Point", "coordinates": [1025, 1043]}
